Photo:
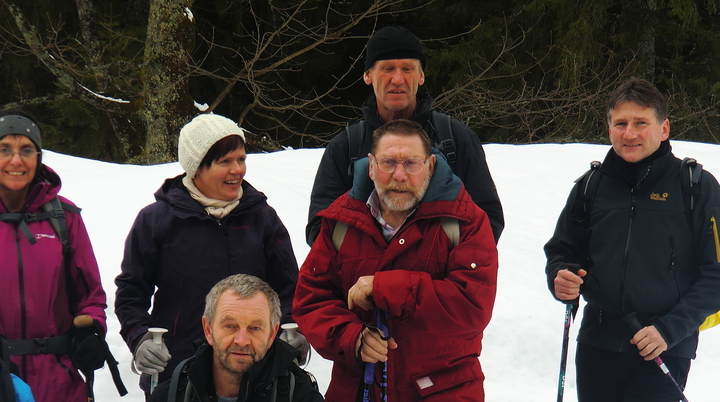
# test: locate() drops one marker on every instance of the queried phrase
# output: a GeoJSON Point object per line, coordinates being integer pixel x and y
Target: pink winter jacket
{"type": "Point", "coordinates": [34, 301]}
{"type": "Point", "coordinates": [439, 298]}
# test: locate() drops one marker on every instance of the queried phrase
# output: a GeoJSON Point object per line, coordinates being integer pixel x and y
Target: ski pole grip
{"type": "Point", "coordinates": [157, 339]}
{"type": "Point", "coordinates": [290, 329]}
{"type": "Point", "coordinates": [633, 322]}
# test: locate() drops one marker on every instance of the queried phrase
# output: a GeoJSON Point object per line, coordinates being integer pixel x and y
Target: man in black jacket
{"type": "Point", "coordinates": [394, 66]}
{"type": "Point", "coordinates": [241, 359]}
{"type": "Point", "coordinates": [637, 250]}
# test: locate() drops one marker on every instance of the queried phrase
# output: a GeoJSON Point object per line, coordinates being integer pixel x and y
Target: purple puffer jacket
{"type": "Point", "coordinates": [34, 301]}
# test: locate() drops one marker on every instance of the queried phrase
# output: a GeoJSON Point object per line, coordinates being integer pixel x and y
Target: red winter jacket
{"type": "Point", "coordinates": [439, 298]}
{"type": "Point", "coordinates": [33, 300]}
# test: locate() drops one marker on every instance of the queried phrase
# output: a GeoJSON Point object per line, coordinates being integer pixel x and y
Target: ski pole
{"type": "Point", "coordinates": [369, 374]}
{"type": "Point", "coordinates": [383, 327]}
{"type": "Point", "coordinates": [157, 334]}
{"type": "Point", "coordinates": [635, 326]}
{"type": "Point", "coordinates": [570, 310]}
{"type": "Point", "coordinates": [290, 329]}
{"type": "Point", "coordinates": [368, 379]}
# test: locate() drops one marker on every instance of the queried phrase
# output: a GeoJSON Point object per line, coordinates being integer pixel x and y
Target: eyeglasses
{"type": "Point", "coordinates": [25, 153]}
{"type": "Point", "coordinates": [411, 165]}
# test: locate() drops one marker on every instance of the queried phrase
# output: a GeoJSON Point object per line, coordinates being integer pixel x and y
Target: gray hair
{"type": "Point", "coordinates": [243, 286]}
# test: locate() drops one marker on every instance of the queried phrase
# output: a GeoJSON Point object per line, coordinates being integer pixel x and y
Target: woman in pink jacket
{"type": "Point", "coordinates": [45, 287]}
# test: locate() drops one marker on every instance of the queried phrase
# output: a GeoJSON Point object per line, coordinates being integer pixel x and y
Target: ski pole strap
{"type": "Point", "coordinates": [113, 366]}
{"type": "Point", "coordinates": [381, 328]}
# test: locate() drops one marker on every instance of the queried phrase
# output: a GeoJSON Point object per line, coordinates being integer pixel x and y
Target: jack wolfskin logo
{"type": "Point", "coordinates": [658, 196]}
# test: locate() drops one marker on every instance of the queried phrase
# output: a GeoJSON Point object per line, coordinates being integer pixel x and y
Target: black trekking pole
{"type": "Point", "coordinates": [570, 310]}
{"type": "Point", "coordinates": [635, 326]}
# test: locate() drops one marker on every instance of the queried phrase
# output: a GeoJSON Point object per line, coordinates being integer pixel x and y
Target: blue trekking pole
{"type": "Point", "coordinates": [369, 375]}
{"type": "Point", "coordinates": [383, 327]}
{"type": "Point", "coordinates": [635, 326]}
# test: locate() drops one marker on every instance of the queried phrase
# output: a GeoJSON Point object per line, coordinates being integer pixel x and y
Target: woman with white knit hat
{"type": "Point", "coordinates": [204, 226]}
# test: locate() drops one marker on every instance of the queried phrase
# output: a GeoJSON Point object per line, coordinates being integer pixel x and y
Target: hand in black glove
{"type": "Point", "coordinates": [87, 344]}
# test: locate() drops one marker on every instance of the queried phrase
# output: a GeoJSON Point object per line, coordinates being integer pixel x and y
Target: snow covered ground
{"type": "Point", "coordinates": [521, 350]}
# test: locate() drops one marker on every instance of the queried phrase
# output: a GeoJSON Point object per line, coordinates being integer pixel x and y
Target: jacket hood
{"type": "Point", "coordinates": [183, 205]}
{"type": "Point", "coordinates": [43, 188]}
{"type": "Point", "coordinates": [445, 197]}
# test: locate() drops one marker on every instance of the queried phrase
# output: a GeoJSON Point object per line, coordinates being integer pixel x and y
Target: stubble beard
{"type": "Point", "coordinates": [234, 368]}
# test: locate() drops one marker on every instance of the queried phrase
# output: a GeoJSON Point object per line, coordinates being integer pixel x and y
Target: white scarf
{"type": "Point", "coordinates": [215, 208]}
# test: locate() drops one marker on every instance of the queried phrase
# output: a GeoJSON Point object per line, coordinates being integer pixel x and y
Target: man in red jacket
{"type": "Point", "coordinates": [388, 248]}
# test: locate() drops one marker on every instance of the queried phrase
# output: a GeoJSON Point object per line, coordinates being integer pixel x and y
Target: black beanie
{"type": "Point", "coordinates": [392, 43]}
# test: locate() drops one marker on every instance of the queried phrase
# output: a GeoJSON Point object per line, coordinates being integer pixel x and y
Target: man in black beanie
{"type": "Point", "coordinates": [394, 65]}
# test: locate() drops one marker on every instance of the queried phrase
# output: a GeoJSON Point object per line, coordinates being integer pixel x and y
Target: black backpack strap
{"type": "Point", "coordinates": [180, 369]}
{"type": "Point", "coordinates": [690, 183]}
{"type": "Point", "coordinates": [446, 144]}
{"type": "Point", "coordinates": [283, 388]}
{"type": "Point", "coordinates": [55, 213]}
{"type": "Point", "coordinates": [588, 183]}
{"type": "Point", "coordinates": [21, 220]}
{"type": "Point", "coordinates": [356, 137]}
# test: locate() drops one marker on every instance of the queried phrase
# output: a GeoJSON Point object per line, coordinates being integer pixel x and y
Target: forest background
{"type": "Point", "coordinates": [115, 80]}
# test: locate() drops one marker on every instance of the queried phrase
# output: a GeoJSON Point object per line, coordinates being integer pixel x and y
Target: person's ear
{"type": "Point", "coordinates": [207, 329]}
{"type": "Point", "coordinates": [367, 78]}
{"type": "Point", "coordinates": [371, 167]}
{"type": "Point", "coordinates": [274, 333]}
{"type": "Point", "coordinates": [431, 164]}
{"type": "Point", "coordinates": [665, 129]}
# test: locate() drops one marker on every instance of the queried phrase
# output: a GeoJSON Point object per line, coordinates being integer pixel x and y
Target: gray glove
{"type": "Point", "coordinates": [299, 342]}
{"type": "Point", "coordinates": [151, 358]}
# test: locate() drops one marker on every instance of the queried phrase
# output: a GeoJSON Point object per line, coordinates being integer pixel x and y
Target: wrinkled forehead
{"type": "Point", "coordinates": [400, 145]}
{"type": "Point", "coordinates": [406, 63]}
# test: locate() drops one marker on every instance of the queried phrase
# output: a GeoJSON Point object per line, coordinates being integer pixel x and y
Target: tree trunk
{"type": "Point", "coordinates": [167, 102]}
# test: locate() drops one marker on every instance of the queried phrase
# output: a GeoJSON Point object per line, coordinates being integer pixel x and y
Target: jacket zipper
{"type": "Point", "coordinates": [713, 223]}
{"type": "Point", "coordinates": [21, 285]}
{"type": "Point", "coordinates": [672, 265]}
{"type": "Point", "coordinates": [633, 200]}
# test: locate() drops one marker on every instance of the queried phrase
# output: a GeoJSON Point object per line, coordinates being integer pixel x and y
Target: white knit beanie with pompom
{"type": "Point", "coordinates": [199, 135]}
